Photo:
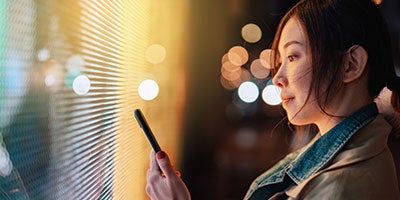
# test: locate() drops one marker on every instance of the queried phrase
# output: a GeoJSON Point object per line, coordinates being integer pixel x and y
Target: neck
{"type": "Point", "coordinates": [350, 100]}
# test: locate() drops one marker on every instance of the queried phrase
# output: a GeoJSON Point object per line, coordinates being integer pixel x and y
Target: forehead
{"type": "Point", "coordinates": [292, 31]}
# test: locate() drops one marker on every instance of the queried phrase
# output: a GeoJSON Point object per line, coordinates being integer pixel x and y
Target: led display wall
{"type": "Point", "coordinates": [71, 74]}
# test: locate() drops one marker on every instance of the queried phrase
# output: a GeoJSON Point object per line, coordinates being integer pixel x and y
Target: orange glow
{"type": "Point", "coordinates": [228, 66]}
{"type": "Point", "coordinates": [251, 33]}
{"type": "Point", "coordinates": [377, 2]}
{"type": "Point", "coordinates": [225, 58]}
{"type": "Point", "coordinates": [245, 75]}
{"type": "Point", "coordinates": [229, 85]}
{"type": "Point", "coordinates": [265, 58]}
{"type": "Point", "coordinates": [258, 70]}
{"type": "Point", "coordinates": [231, 74]}
{"type": "Point", "coordinates": [238, 55]}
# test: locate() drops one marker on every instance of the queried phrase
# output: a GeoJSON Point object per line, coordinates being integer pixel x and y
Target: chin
{"type": "Point", "coordinates": [298, 120]}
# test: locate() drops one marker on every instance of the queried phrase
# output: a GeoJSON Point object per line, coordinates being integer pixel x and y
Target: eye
{"type": "Point", "coordinates": [291, 58]}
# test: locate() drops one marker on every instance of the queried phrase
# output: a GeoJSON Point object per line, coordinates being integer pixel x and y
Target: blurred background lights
{"type": "Point", "coordinates": [70, 77]}
{"type": "Point", "coordinates": [258, 70]}
{"type": "Point", "coordinates": [81, 85]}
{"type": "Point", "coordinates": [251, 33]}
{"type": "Point", "coordinates": [265, 58]}
{"type": "Point", "coordinates": [43, 54]}
{"type": "Point", "coordinates": [238, 55]}
{"type": "Point", "coordinates": [75, 62]}
{"type": "Point", "coordinates": [148, 89]}
{"type": "Point", "coordinates": [231, 75]}
{"type": "Point", "coordinates": [224, 58]}
{"type": "Point", "coordinates": [49, 80]}
{"type": "Point", "coordinates": [271, 95]}
{"type": "Point", "coordinates": [228, 66]}
{"type": "Point", "coordinates": [245, 75]}
{"type": "Point", "coordinates": [248, 92]}
{"type": "Point", "coordinates": [155, 53]}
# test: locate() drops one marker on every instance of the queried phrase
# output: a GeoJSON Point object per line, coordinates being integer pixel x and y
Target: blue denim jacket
{"type": "Point", "coordinates": [302, 163]}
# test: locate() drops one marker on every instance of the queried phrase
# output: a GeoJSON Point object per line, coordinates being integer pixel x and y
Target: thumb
{"type": "Point", "coordinates": [165, 164]}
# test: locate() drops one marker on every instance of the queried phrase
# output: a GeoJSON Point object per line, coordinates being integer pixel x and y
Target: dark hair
{"type": "Point", "coordinates": [333, 26]}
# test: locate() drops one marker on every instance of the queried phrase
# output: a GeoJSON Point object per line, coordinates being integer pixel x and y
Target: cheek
{"type": "Point", "coordinates": [301, 80]}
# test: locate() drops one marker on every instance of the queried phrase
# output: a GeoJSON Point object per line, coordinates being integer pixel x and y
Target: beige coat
{"type": "Point", "coordinates": [364, 169]}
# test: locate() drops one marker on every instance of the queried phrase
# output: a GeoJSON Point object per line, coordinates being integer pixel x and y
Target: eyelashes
{"type": "Point", "coordinates": [292, 58]}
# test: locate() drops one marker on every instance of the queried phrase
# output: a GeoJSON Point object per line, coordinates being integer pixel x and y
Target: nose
{"type": "Point", "coordinates": [279, 80]}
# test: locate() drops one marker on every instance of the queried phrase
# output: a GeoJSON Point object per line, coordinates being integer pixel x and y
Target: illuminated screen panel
{"type": "Point", "coordinates": [72, 72]}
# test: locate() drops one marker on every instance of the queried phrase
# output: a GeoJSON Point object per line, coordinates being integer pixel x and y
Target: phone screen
{"type": "Point", "coordinates": [146, 128]}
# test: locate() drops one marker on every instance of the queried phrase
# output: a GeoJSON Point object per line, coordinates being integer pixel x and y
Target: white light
{"type": "Point", "coordinates": [248, 92]}
{"type": "Point", "coordinates": [148, 90]}
{"type": "Point", "coordinates": [81, 85]}
{"type": "Point", "coordinates": [271, 95]}
{"type": "Point", "coordinates": [43, 55]}
{"type": "Point", "coordinates": [49, 80]}
{"type": "Point", "coordinates": [5, 162]}
{"type": "Point", "coordinates": [75, 62]}
{"type": "Point", "coordinates": [156, 53]}
{"type": "Point", "coordinates": [251, 33]}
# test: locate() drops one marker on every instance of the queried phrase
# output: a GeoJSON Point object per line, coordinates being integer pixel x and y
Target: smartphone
{"type": "Point", "coordinates": [146, 128]}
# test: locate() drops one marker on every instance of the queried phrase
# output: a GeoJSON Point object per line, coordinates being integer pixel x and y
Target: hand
{"type": "Point", "coordinates": [163, 182]}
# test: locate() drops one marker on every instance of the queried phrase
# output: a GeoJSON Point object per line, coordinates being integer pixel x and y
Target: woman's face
{"type": "Point", "coordinates": [294, 75]}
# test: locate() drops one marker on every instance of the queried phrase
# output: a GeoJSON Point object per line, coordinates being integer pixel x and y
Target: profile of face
{"type": "Point", "coordinates": [294, 75]}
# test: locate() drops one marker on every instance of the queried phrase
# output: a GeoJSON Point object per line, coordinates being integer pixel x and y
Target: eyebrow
{"type": "Point", "coordinates": [292, 42]}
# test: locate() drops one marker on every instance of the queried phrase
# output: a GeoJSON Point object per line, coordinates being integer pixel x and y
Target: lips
{"type": "Point", "coordinates": [286, 98]}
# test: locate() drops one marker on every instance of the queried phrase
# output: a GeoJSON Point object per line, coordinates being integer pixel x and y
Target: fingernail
{"type": "Point", "coordinates": [160, 155]}
{"type": "Point", "coordinates": [178, 173]}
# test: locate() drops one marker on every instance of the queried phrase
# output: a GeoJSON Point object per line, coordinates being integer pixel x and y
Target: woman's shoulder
{"type": "Point", "coordinates": [364, 165]}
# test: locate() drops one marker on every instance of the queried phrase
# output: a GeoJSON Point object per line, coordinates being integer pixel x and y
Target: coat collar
{"type": "Point", "coordinates": [323, 150]}
{"type": "Point", "coordinates": [308, 160]}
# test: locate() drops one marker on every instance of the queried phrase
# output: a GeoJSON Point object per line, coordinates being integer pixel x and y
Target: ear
{"type": "Point", "coordinates": [355, 62]}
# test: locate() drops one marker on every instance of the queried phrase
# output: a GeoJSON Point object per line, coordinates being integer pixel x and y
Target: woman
{"type": "Point", "coordinates": [331, 59]}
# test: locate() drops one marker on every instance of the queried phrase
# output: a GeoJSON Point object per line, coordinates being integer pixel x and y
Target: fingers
{"type": "Point", "coordinates": [163, 182]}
{"type": "Point", "coordinates": [160, 165]}
{"type": "Point", "coordinates": [165, 164]}
{"type": "Point", "coordinates": [178, 173]}
{"type": "Point", "coordinates": [153, 162]}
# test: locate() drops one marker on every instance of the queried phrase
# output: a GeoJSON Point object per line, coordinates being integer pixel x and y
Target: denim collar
{"type": "Point", "coordinates": [325, 148]}
{"type": "Point", "coordinates": [304, 162]}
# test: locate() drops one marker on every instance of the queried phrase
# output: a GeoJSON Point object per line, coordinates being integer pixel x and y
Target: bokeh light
{"type": "Point", "coordinates": [238, 55]}
{"type": "Point", "coordinates": [50, 80]}
{"type": "Point", "coordinates": [228, 66]}
{"type": "Point", "coordinates": [75, 62]}
{"type": "Point", "coordinates": [248, 92]}
{"type": "Point", "coordinates": [251, 33]}
{"type": "Point", "coordinates": [43, 54]}
{"type": "Point", "coordinates": [54, 76]}
{"type": "Point", "coordinates": [258, 70]}
{"type": "Point", "coordinates": [81, 85]}
{"type": "Point", "coordinates": [70, 76]}
{"type": "Point", "coordinates": [229, 85]}
{"type": "Point", "coordinates": [5, 162]}
{"type": "Point", "coordinates": [231, 75]}
{"type": "Point", "coordinates": [265, 58]}
{"type": "Point", "coordinates": [224, 58]}
{"type": "Point", "coordinates": [245, 75]}
{"type": "Point", "coordinates": [148, 89]}
{"type": "Point", "coordinates": [156, 54]}
{"type": "Point", "coordinates": [271, 95]}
